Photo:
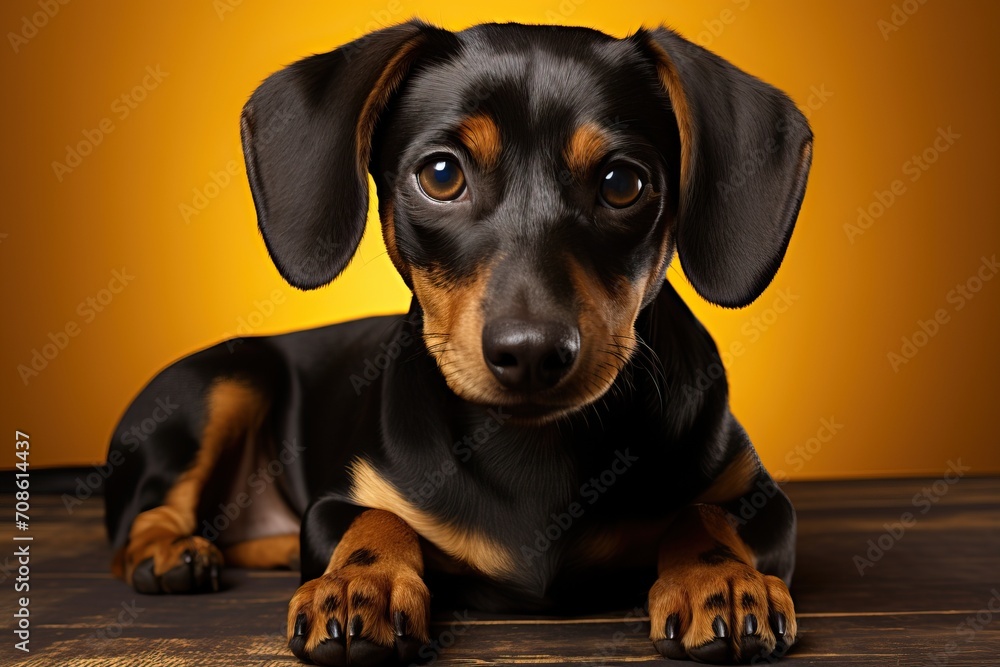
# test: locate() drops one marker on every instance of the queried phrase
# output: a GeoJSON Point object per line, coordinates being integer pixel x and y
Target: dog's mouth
{"type": "Point", "coordinates": [538, 362]}
{"type": "Point", "coordinates": [531, 413]}
{"type": "Point", "coordinates": [537, 410]}
{"type": "Point", "coordinates": [565, 380]}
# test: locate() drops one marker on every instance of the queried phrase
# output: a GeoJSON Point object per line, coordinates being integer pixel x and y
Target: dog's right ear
{"type": "Point", "coordinates": [307, 133]}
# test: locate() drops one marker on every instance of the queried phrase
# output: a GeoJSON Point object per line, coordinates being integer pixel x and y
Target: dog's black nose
{"type": "Point", "coordinates": [529, 356]}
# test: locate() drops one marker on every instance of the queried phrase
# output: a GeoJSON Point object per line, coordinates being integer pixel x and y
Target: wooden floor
{"type": "Point", "coordinates": [932, 598]}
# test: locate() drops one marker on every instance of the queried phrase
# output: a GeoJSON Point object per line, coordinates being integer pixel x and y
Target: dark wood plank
{"type": "Point", "coordinates": [928, 594]}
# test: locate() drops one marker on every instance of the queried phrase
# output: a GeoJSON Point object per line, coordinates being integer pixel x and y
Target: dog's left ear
{"type": "Point", "coordinates": [307, 133]}
{"type": "Point", "coordinates": [745, 156]}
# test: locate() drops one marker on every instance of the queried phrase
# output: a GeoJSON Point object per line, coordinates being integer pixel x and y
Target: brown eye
{"type": "Point", "coordinates": [620, 186]}
{"type": "Point", "coordinates": [441, 179]}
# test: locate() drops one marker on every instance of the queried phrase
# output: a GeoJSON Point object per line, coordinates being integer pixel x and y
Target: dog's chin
{"type": "Point", "coordinates": [535, 414]}
{"type": "Point", "coordinates": [530, 411]}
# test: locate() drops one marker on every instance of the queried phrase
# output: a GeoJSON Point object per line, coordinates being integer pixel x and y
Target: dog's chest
{"type": "Point", "coordinates": [525, 508]}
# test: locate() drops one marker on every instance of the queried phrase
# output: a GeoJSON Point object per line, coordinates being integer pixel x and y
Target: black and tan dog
{"type": "Point", "coordinates": [542, 429]}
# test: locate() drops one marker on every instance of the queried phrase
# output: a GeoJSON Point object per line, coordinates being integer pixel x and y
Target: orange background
{"type": "Point", "coordinates": [873, 102]}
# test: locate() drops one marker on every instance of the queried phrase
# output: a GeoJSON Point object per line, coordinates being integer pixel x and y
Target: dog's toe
{"type": "Point", "coordinates": [297, 640]}
{"type": "Point", "coordinates": [721, 614]}
{"type": "Point", "coordinates": [333, 650]}
{"type": "Point", "coordinates": [407, 646]}
{"type": "Point", "coordinates": [181, 565]}
{"type": "Point", "coordinates": [359, 616]}
{"type": "Point", "coordinates": [193, 574]}
{"type": "Point", "coordinates": [143, 579]}
{"type": "Point", "coordinates": [670, 645]}
{"type": "Point", "coordinates": [751, 641]}
{"type": "Point", "coordinates": [715, 652]}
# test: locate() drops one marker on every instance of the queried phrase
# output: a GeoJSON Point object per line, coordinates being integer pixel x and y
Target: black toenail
{"type": "Point", "coordinates": [300, 625]}
{"type": "Point", "coordinates": [354, 629]}
{"type": "Point", "coordinates": [187, 557]}
{"type": "Point", "coordinates": [673, 626]}
{"type": "Point", "coordinates": [719, 627]}
{"type": "Point", "coordinates": [779, 624]}
{"type": "Point", "coordinates": [399, 621]}
{"type": "Point", "coordinates": [334, 630]}
{"type": "Point", "coordinates": [750, 625]}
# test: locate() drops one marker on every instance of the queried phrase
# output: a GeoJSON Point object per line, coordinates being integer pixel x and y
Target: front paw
{"type": "Point", "coordinates": [360, 614]}
{"type": "Point", "coordinates": [721, 613]}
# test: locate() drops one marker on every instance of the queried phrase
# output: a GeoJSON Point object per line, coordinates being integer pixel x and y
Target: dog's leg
{"type": "Point", "coordinates": [162, 554]}
{"type": "Point", "coordinates": [370, 606]}
{"type": "Point", "coordinates": [724, 568]}
{"type": "Point", "coordinates": [711, 602]}
{"type": "Point", "coordinates": [266, 553]}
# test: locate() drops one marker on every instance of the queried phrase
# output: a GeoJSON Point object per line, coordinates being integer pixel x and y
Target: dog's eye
{"type": "Point", "coordinates": [620, 187]}
{"type": "Point", "coordinates": [441, 179]}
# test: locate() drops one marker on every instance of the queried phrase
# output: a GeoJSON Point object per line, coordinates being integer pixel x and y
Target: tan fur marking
{"type": "Point", "coordinates": [390, 581]}
{"type": "Point", "coordinates": [586, 149]}
{"type": "Point", "coordinates": [118, 564]}
{"type": "Point", "coordinates": [453, 329]}
{"type": "Point", "coordinates": [806, 158]}
{"type": "Point", "coordinates": [671, 80]}
{"type": "Point", "coordinates": [482, 137]}
{"type": "Point", "coordinates": [606, 323]}
{"type": "Point", "coordinates": [234, 410]}
{"type": "Point", "coordinates": [390, 78]}
{"type": "Point", "coordinates": [389, 236]}
{"type": "Point", "coordinates": [371, 490]}
{"type": "Point", "coordinates": [736, 479]}
{"type": "Point", "coordinates": [268, 553]}
{"type": "Point", "coordinates": [686, 582]}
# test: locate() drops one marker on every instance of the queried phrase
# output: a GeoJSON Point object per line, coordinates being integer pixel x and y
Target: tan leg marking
{"type": "Point", "coordinates": [164, 533]}
{"type": "Point", "coordinates": [706, 571]}
{"type": "Point", "coordinates": [265, 553]}
{"type": "Point", "coordinates": [735, 479]}
{"type": "Point", "coordinates": [375, 571]}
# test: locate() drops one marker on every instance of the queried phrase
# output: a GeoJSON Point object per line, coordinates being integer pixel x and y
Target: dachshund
{"type": "Point", "coordinates": [547, 428]}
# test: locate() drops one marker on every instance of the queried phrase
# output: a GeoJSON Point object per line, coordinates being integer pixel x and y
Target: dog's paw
{"type": "Point", "coordinates": [360, 615]}
{"type": "Point", "coordinates": [721, 613]}
{"type": "Point", "coordinates": [171, 564]}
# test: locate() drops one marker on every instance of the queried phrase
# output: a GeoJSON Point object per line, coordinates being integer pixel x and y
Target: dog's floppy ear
{"type": "Point", "coordinates": [745, 156]}
{"type": "Point", "coordinates": [307, 133]}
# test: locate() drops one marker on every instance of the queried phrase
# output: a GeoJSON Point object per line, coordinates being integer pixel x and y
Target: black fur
{"type": "Point", "coordinates": [751, 151]}
{"type": "Point", "coordinates": [732, 223]}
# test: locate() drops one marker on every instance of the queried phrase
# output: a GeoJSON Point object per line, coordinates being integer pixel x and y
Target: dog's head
{"type": "Point", "coordinates": [533, 183]}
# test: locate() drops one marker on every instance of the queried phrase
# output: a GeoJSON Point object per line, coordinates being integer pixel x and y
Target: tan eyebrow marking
{"type": "Point", "coordinates": [481, 136]}
{"type": "Point", "coordinates": [585, 149]}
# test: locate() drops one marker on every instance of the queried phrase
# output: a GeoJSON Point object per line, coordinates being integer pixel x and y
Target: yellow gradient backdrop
{"type": "Point", "coordinates": [810, 375]}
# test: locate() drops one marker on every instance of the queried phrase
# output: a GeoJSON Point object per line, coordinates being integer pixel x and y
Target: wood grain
{"type": "Point", "coordinates": [925, 601]}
